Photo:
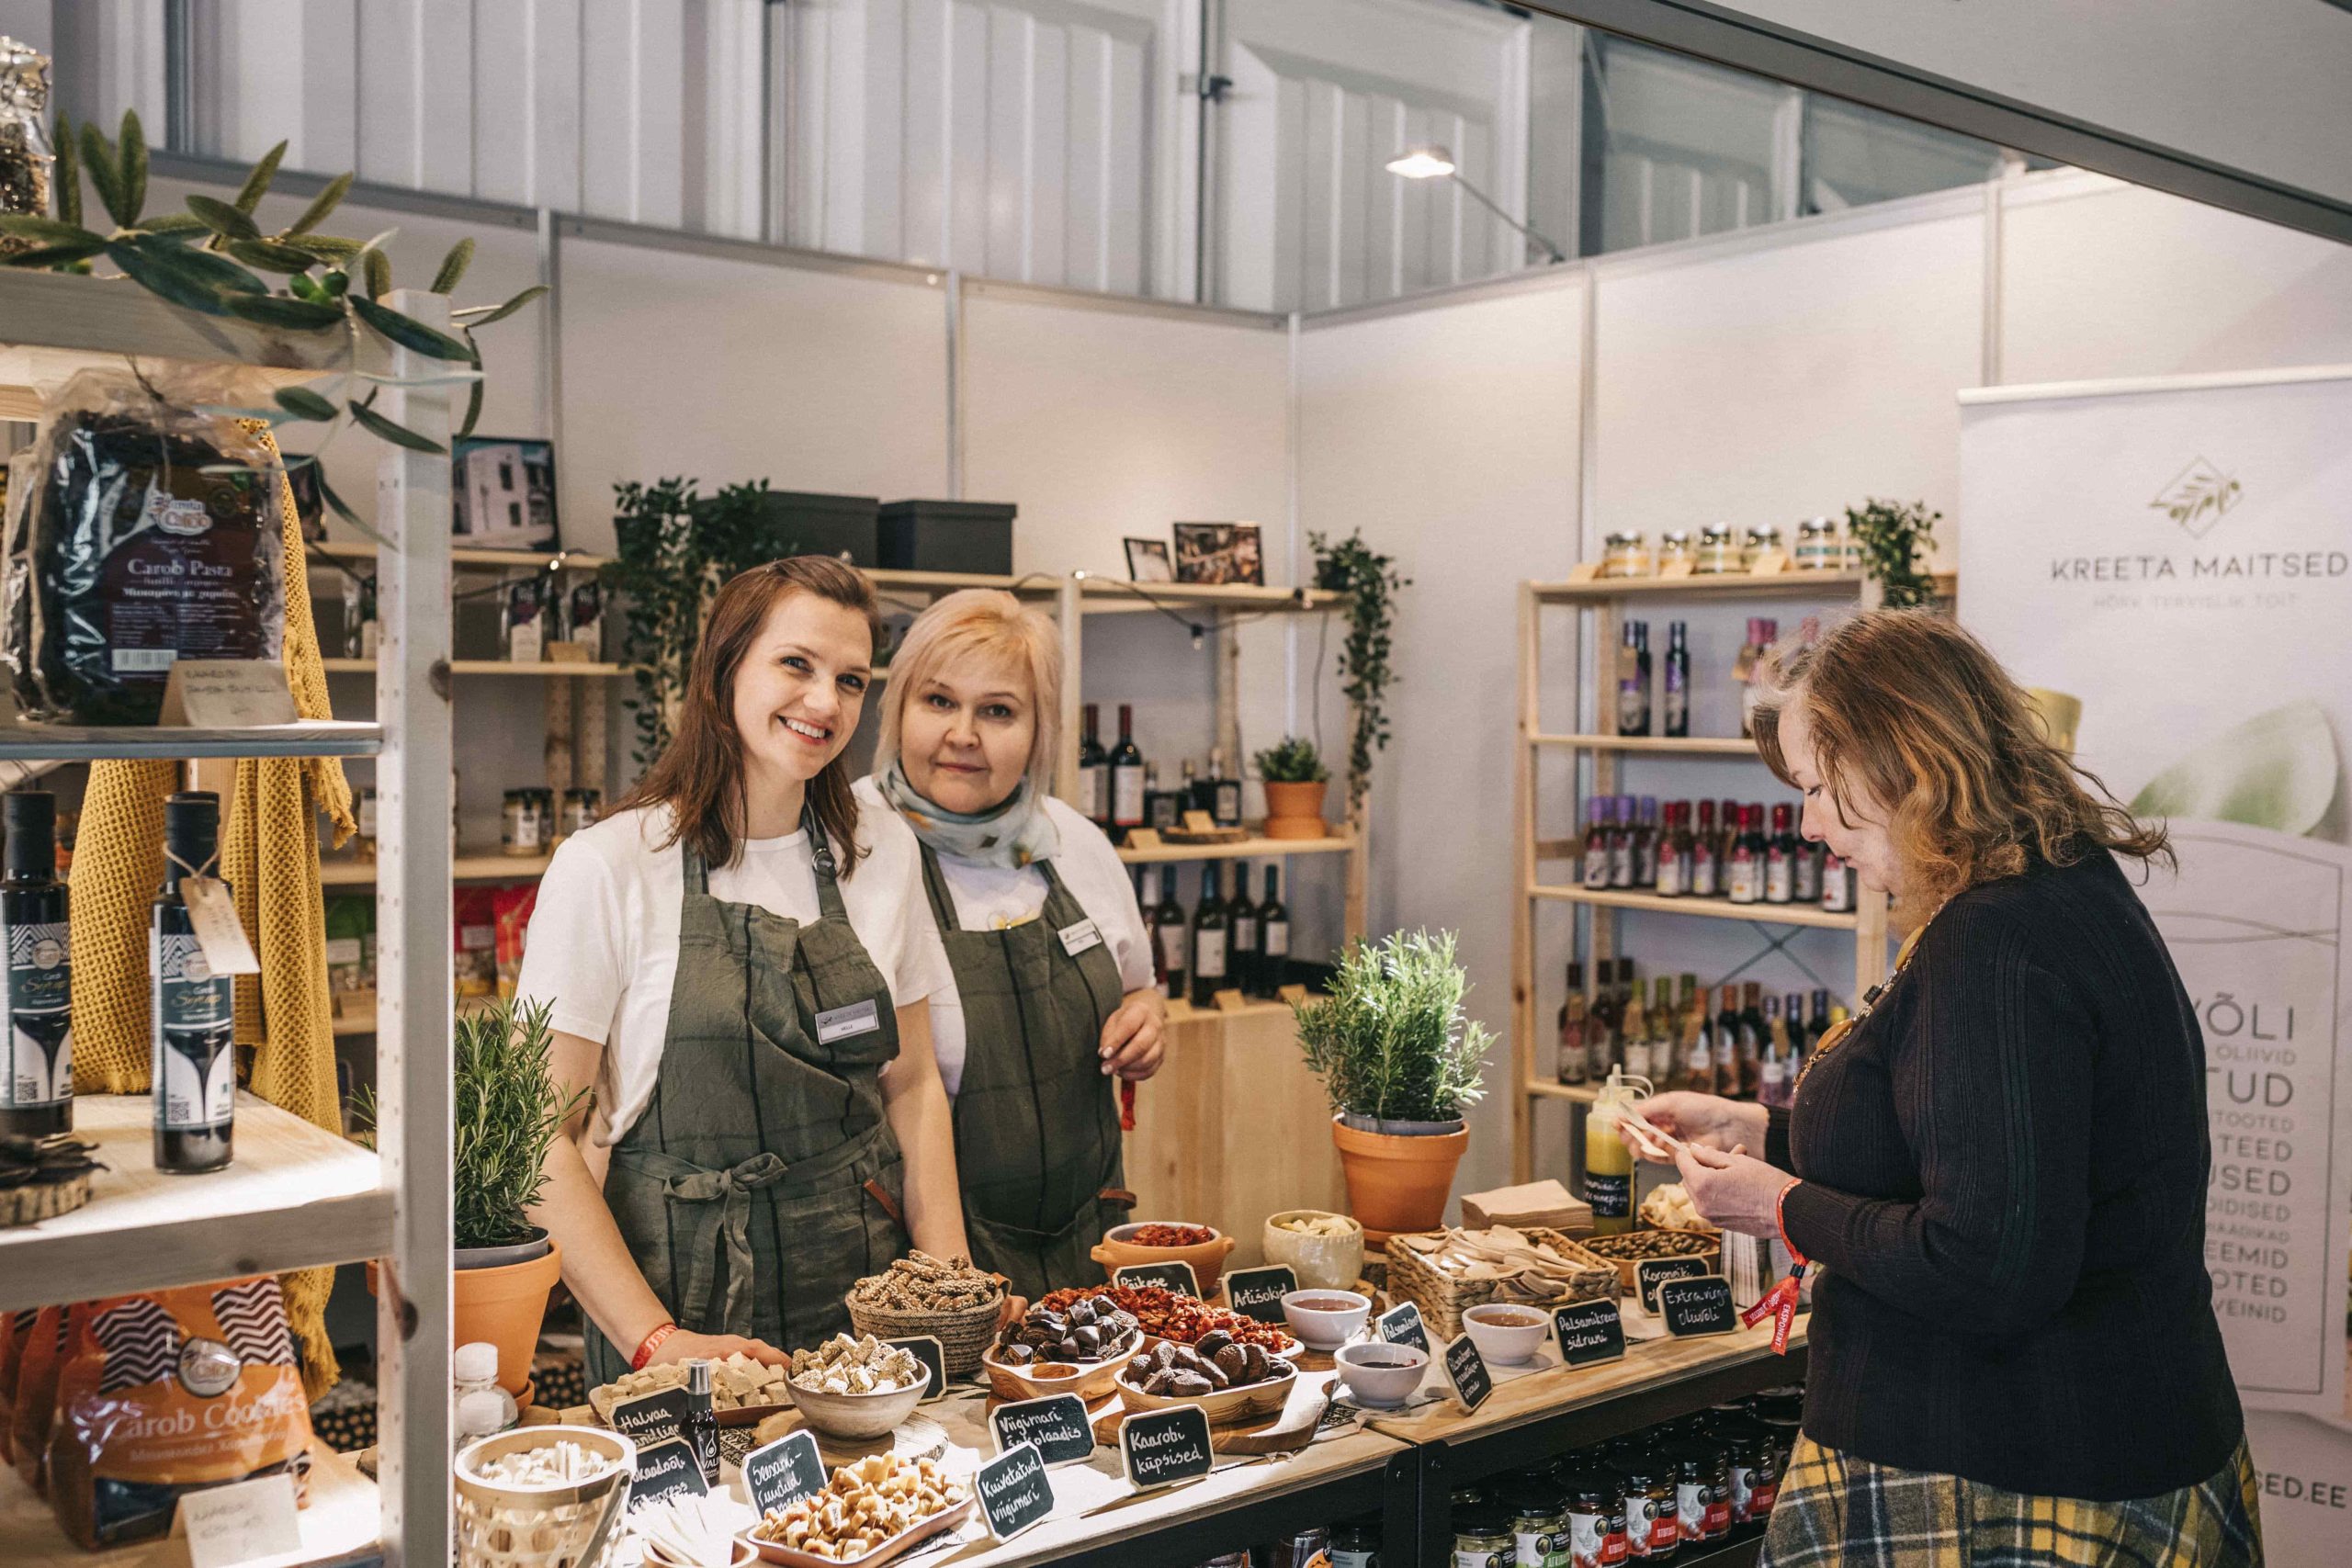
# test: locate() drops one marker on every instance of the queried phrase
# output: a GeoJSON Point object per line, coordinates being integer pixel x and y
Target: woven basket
{"type": "Point", "coordinates": [559, 1527]}
{"type": "Point", "coordinates": [962, 1336]}
{"type": "Point", "coordinates": [1443, 1298]}
{"type": "Point", "coordinates": [1703, 1243]}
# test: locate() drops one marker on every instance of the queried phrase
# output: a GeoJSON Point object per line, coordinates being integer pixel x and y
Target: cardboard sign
{"type": "Point", "coordinates": [1143, 839]}
{"type": "Point", "coordinates": [1402, 1325]}
{"type": "Point", "coordinates": [1292, 993]}
{"type": "Point", "coordinates": [665, 1469]}
{"type": "Point", "coordinates": [227, 693]}
{"type": "Point", "coordinates": [1259, 1292]}
{"type": "Point", "coordinates": [1466, 1371]}
{"type": "Point", "coordinates": [1229, 1000]}
{"type": "Point", "coordinates": [1161, 1448]}
{"type": "Point", "coordinates": [785, 1472]}
{"type": "Point", "coordinates": [220, 935]}
{"type": "Point", "coordinates": [926, 1348]}
{"type": "Point", "coordinates": [1057, 1426]}
{"type": "Point", "coordinates": [1014, 1491]}
{"type": "Point", "coordinates": [1177, 1276]}
{"type": "Point", "coordinates": [1652, 1272]}
{"type": "Point", "coordinates": [1697, 1307]}
{"type": "Point", "coordinates": [239, 1522]}
{"type": "Point", "coordinates": [1588, 1332]}
{"type": "Point", "coordinates": [652, 1417]}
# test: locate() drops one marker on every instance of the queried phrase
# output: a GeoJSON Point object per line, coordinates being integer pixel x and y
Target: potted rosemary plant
{"type": "Point", "coordinates": [1295, 778]}
{"type": "Point", "coordinates": [1400, 1062]}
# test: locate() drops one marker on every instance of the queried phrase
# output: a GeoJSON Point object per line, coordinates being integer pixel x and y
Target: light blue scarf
{"type": "Point", "coordinates": [1012, 835]}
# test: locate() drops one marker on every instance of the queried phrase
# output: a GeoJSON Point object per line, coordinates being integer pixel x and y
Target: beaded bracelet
{"type": "Point", "coordinates": [653, 1343]}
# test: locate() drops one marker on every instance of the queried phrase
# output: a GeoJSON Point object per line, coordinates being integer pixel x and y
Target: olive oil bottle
{"type": "Point", "coordinates": [37, 1060]}
{"type": "Point", "coordinates": [193, 1009]}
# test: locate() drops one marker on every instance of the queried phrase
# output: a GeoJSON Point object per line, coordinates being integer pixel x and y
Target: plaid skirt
{"type": "Point", "coordinates": [1836, 1512]}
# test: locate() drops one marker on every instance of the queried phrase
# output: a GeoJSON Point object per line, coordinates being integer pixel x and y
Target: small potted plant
{"type": "Point", "coordinates": [1295, 778]}
{"type": "Point", "coordinates": [1400, 1062]}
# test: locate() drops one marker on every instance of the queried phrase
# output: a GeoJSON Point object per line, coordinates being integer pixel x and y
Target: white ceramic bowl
{"type": "Point", "coordinates": [1382, 1375]}
{"type": "Point", "coordinates": [1506, 1335]}
{"type": "Point", "coordinates": [1321, 1262]}
{"type": "Point", "coordinates": [1325, 1328]}
{"type": "Point", "coordinates": [858, 1417]}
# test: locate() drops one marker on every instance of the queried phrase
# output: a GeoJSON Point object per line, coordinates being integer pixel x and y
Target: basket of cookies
{"type": "Point", "coordinates": [947, 1299]}
{"type": "Point", "coordinates": [1446, 1272]}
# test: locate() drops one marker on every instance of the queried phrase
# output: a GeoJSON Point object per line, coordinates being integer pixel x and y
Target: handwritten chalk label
{"type": "Point", "coordinates": [1161, 1448]}
{"type": "Point", "coordinates": [926, 1348]}
{"type": "Point", "coordinates": [220, 935]}
{"type": "Point", "coordinates": [1402, 1325]}
{"type": "Point", "coordinates": [667, 1470]}
{"type": "Point", "coordinates": [1466, 1371]}
{"type": "Point", "coordinates": [1014, 1491]}
{"type": "Point", "coordinates": [1056, 1426]}
{"type": "Point", "coordinates": [239, 1522]}
{"type": "Point", "coordinates": [652, 1417]}
{"type": "Point", "coordinates": [1259, 1292]}
{"type": "Point", "coordinates": [227, 693]}
{"type": "Point", "coordinates": [785, 1472]}
{"type": "Point", "coordinates": [1588, 1332]}
{"type": "Point", "coordinates": [1652, 1272]}
{"type": "Point", "coordinates": [1177, 1276]}
{"type": "Point", "coordinates": [1697, 1307]}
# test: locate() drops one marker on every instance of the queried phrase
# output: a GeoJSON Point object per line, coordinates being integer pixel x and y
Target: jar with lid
{"type": "Point", "coordinates": [1818, 549]}
{"type": "Point", "coordinates": [1355, 1543]}
{"type": "Point", "coordinates": [1701, 1490]}
{"type": "Point", "coordinates": [517, 829]}
{"type": "Point", "coordinates": [1648, 1488]}
{"type": "Point", "coordinates": [1304, 1549]}
{"type": "Point", "coordinates": [1596, 1519]}
{"type": "Point", "coordinates": [1674, 549]}
{"type": "Point", "coordinates": [1755, 1471]}
{"type": "Point", "coordinates": [363, 844]}
{"type": "Point", "coordinates": [581, 809]}
{"type": "Point", "coordinates": [1539, 1522]}
{"type": "Point", "coordinates": [1761, 541]}
{"type": "Point", "coordinates": [543, 808]}
{"type": "Point", "coordinates": [1717, 553]}
{"type": "Point", "coordinates": [1482, 1538]}
{"type": "Point", "coordinates": [1625, 554]}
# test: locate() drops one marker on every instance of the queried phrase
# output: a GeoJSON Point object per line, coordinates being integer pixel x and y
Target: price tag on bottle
{"type": "Point", "coordinates": [219, 933]}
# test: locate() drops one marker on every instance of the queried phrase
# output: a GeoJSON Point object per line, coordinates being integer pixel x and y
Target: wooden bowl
{"type": "Point", "coordinates": [1291, 1349]}
{"type": "Point", "coordinates": [1227, 1406]}
{"type": "Point", "coordinates": [857, 1417]}
{"type": "Point", "coordinates": [1116, 1252]}
{"type": "Point", "coordinates": [922, 1530]}
{"type": "Point", "coordinates": [1091, 1380]}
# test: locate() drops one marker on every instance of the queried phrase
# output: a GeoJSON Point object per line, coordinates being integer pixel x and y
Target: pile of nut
{"type": "Point", "coordinates": [1634, 1245]}
{"type": "Point", "coordinates": [1091, 1328]}
{"type": "Point", "coordinates": [1168, 1315]}
{"type": "Point", "coordinates": [1159, 1235]}
{"type": "Point", "coordinates": [736, 1382]}
{"type": "Point", "coordinates": [1218, 1361]}
{"type": "Point", "coordinates": [863, 1365]}
{"type": "Point", "coordinates": [867, 1504]}
{"type": "Point", "coordinates": [922, 1283]}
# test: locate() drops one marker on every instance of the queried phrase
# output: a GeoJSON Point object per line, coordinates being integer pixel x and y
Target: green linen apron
{"type": "Point", "coordinates": [761, 1181]}
{"type": "Point", "coordinates": [1037, 1119]}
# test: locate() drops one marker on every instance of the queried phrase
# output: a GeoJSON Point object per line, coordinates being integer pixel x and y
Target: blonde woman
{"type": "Point", "coordinates": [1050, 995]}
{"type": "Point", "coordinates": [1999, 1164]}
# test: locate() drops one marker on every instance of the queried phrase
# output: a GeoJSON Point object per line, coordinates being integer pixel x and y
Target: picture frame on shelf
{"type": "Point", "coordinates": [1148, 561]}
{"type": "Point", "coordinates": [501, 491]}
{"type": "Point", "coordinates": [1218, 553]}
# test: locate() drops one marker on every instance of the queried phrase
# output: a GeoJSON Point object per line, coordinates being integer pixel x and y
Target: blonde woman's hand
{"type": "Point", "coordinates": [1733, 1191]}
{"type": "Point", "coordinates": [1134, 1038]}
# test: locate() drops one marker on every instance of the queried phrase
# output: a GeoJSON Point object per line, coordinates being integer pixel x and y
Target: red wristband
{"type": "Point", "coordinates": [1781, 1218]}
{"type": "Point", "coordinates": [653, 1343]}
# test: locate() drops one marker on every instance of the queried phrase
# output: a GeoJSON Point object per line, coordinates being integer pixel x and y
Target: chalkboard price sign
{"type": "Point", "coordinates": [1056, 1426]}
{"type": "Point", "coordinates": [1466, 1371]}
{"type": "Point", "coordinates": [1161, 1448]}
{"type": "Point", "coordinates": [1697, 1307]}
{"type": "Point", "coordinates": [926, 1348]}
{"type": "Point", "coordinates": [1402, 1325]}
{"type": "Point", "coordinates": [652, 1417]}
{"type": "Point", "coordinates": [1014, 1491]}
{"type": "Point", "coordinates": [1259, 1292]}
{"type": "Point", "coordinates": [785, 1472]}
{"type": "Point", "coordinates": [1177, 1276]}
{"type": "Point", "coordinates": [1651, 1272]}
{"type": "Point", "coordinates": [665, 1469]}
{"type": "Point", "coordinates": [1589, 1332]}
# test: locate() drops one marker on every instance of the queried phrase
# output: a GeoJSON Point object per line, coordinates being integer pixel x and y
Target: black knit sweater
{"type": "Point", "coordinates": [2004, 1185]}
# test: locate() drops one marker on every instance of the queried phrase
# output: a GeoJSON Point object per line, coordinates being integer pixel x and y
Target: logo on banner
{"type": "Point", "coordinates": [2197, 497]}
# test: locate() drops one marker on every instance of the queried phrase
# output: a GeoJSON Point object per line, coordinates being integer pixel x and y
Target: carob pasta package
{"type": "Point", "coordinates": [170, 1391]}
{"type": "Point", "coordinates": [140, 532]}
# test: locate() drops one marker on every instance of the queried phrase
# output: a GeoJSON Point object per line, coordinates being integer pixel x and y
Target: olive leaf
{"type": "Point", "coordinates": [271, 257]}
{"type": "Point", "coordinates": [69, 173]}
{"type": "Point", "coordinates": [326, 247]}
{"type": "Point", "coordinates": [342, 508]}
{"type": "Point", "coordinates": [398, 434]}
{"type": "Point", "coordinates": [97, 155]}
{"type": "Point", "coordinates": [56, 256]}
{"type": "Point", "coordinates": [379, 268]}
{"type": "Point", "coordinates": [326, 201]}
{"type": "Point", "coordinates": [256, 184]}
{"type": "Point", "coordinates": [473, 397]}
{"type": "Point", "coordinates": [166, 272]}
{"type": "Point", "coordinates": [26, 226]}
{"type": "Point", "coordinates": [453, 265]}
{"type": "Point", "coordinates": [406, 331]}
{"type": "Point", "coordinates": [186, 223]}
{"type": "Point", "coordinates": [277, 311]}
{"type": "Point", "coordinates": [303, 403]}
{"type": "Point", "coordinates": [229, 222]}
{"type": "Point", "coordinates": [483, 315]}
{"type": "Point", "coordinates": [2279, 770]}
{"type": "Point", "coordinates": [133, 168]}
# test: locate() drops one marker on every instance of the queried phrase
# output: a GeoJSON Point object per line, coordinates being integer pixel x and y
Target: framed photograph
{"type": "Point", "coordinates": [502, 490]}
{"type": "Point", "coordinates": [1214, 553]}
{"type": "Point", "coordinates": [1148, 562]}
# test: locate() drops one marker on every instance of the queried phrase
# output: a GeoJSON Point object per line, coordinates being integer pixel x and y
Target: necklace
{"type": "Point", "coordinates": [1871, 998]}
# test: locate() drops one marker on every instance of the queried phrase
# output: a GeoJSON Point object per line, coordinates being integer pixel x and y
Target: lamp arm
{"type": "Point", "coordinates": [1480, 196]}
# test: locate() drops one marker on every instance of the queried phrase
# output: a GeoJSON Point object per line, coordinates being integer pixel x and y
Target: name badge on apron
{"type": "Point", "coordinates": [858, 1018]}
{"type": "Point", "coordinates": [1077, 939]}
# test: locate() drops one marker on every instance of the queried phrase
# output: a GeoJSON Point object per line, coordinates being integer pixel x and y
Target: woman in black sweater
{"type": "Point", "coordinates": [2000, 1165]}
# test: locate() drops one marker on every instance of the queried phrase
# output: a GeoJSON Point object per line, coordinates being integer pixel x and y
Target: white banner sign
{"type": "Point", "coordinates": [2178, 555]}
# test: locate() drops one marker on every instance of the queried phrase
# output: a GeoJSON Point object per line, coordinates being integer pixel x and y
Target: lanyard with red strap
{"type": "Point", "coordinates": [1780, 1303]}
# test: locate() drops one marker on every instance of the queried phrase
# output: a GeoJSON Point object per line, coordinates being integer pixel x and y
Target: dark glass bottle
{"type": "Point", "coordinates": [1646, 845]}
{"type": "Point", "coordinates": [1676, 713]}
{"type": "Point", "coordinates": [1600, 815]}
{"type": "Point", "coordinates": [1743, 865]}
{"type": "Point", "coordinates": [1274, 934]}
{"type": "Point", "coordinates": [1212, 934]}
{"type": "Point", "coordinates": [1780, 860]}
{"type": "Point", "coordinates": [1726, 1045]}
{"type": "Point", "coordinates": [1632, 698]}
{"type": "Point", "coordinates": [701, 1425]}
{"type": "Point", "coordinates": [1622, 836]}
{"type": "Point", "coordinates": [1574, 1056]}
{"type": "Point", "coordinates": [1706, 855]}
{"type": "Point", "coordinates": [1148, 905]}
{"type": "Point", "coordinates": [1224, 794]}
{"type": "Point", "coordinates": [1175, 935]}
{"type": "Point", "coordinates": [1093, 773]}
{"type": "Point", "coordinates": [1807, 881]}
{"type": "Point", "coordinates": [194, 1066]}
{"type": "Point", "coordinates": [1126, 776]}
{"type": "Point", "coordinates": [1754, 1032]}
{"type": "Point", "coordinates": [1241, 919]}
{"type": "Point", "coordinates": [37, 1062]}
{"type": "Point", "coordinates": [1819, 1024]}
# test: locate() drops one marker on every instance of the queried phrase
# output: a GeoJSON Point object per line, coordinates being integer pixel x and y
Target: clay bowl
{"type": "Point", "coordinates": [1116, 1251]}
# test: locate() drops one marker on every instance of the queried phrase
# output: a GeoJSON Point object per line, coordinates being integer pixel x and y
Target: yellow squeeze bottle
{"type": "Point", "coordinates": [1607, 1163]}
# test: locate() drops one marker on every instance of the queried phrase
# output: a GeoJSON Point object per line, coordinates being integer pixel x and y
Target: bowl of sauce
{"type": "Point", "coordinates": [1325, 1320]}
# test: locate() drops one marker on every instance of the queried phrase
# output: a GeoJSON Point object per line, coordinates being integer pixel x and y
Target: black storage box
{"type": "Point", "coordinates": [948, 535]}
{"type": "Point", "coordinates": [799, 523]}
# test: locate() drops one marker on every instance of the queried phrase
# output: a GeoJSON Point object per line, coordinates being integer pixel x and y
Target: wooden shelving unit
{"type": "Point", "coordinates": [472, 866]}
{"type": "Point", "coordinates": [1704, 908]}
{"type": "Point", "coordinates": [547, 669]}
{"type": "Point", "coordinates": [1255, 847]}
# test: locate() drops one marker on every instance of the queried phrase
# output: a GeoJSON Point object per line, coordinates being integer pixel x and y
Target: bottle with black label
{"type": "Point", "coordinates": [701, 1426]}
{"type": "Point", "coordinates": [1676, 711]}
{"type": "Point", "coordinates": [194, 1064]}
{"type": "Point", "coordinates": [1175, 935]}
{"type": "Point", "coordinates": [1274, 934]}
{"type": "Point", "coordinates": [37, 1067]}
{"type": "Point", "coordinates": [1211, 931]}
{"type": "Point", "coordinates": [1224, 794]}
{"type": "Point", "coordinates": [1126, 777]}
{"type": "Point", "coordinates": [1093, 773]}
{"type": "Point", "coordinates": [1241, 919]}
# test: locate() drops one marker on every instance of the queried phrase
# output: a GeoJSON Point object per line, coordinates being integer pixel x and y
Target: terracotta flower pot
{"type": "Point", "coordinates": [1398, 1183]}
{"type": "Point", "coordinates": [1296, 810]}
{"type": "Point", "coordinates": [504, 1305]}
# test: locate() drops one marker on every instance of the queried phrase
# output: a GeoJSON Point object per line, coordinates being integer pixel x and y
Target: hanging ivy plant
{"type": "Point", "coordinates": [1898, 539]}
{"type": "Point", "coordinates": [1370, 580]}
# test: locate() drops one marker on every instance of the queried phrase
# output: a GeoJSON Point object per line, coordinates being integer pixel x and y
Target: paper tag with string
{"type": "Point", "coordinates": [220, 935]}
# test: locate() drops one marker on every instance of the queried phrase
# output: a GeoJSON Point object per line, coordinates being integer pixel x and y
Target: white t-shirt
{"type": "Point", "coordinates": [604, 939]}
{"type": "Point", "coordinates": [990, 897]}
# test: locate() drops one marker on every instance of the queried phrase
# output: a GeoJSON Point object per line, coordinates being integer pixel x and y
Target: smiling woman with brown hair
{"type": "Point", "coordinates": [2000, 1165]}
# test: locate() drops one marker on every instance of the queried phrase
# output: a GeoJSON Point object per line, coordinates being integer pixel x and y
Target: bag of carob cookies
{"type": "Point", "coordinates": [169, 1392]}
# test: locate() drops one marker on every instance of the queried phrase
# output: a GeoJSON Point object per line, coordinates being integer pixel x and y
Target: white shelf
{"type": "Point", "coordinates": [473, 867]}
{"type": "Point", "coordinates": [342, 1523]}
{"type": "Point", "coordinates": [1662, 744]}
{"type": "Point", "coordinates": [1111, 596]}
{"type": "Point", "coordinates": [82, 743]}
{"type": "Point", "coordinates": [1790, 584]}
{"type": "Point", "coordinates": [1713, 908]}
{"type": "Point", "coordinates": [295, 1197]}
{"type": "Point", "coordinates": [1256, 847]}
{"type": "Point", "coordinates": [546, 669]}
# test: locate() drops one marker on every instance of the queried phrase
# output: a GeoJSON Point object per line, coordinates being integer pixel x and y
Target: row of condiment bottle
{"type": "Point", "coordinates": [1823, 544]}
{"type": "Point", "coordinates": [1691, 853]}
{"type": "Point", "coordinates": [1750, 1049]}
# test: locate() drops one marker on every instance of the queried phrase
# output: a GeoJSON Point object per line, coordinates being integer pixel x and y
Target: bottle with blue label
{"type": "Point", "coordinates": [37, 1062]}
{"type": "Point", "coordinates": [193, 1009]}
